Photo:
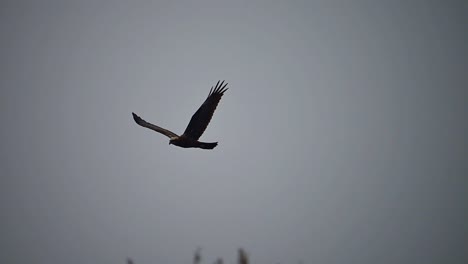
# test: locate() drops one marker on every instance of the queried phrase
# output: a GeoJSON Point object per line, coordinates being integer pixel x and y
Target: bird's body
{"type": "Point", "coordinates": [197, 125]}
{"type": "Point", "coordinates": [186, 142]}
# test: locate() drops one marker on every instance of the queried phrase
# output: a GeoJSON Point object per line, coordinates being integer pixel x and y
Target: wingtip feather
{"type": "Point", "coordinates": [137, 119]}
{"type": "Point", "coordinates": [220, 88]}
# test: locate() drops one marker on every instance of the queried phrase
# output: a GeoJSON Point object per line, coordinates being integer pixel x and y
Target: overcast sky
{"type": "Point", "coordinates": [342, 137]}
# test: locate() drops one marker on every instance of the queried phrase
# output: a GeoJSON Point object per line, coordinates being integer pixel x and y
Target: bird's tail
{"type": "Point", "coordinates": [205, 145]}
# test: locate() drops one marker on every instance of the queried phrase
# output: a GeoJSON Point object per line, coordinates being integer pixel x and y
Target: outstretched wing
{"type": "Point", "coordinates": [161, 130]}
{"type": "Point", "coordinates": [202, 117]}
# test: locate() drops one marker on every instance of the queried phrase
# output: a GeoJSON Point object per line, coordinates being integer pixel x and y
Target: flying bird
{"type": "Point", "coordinates": [196, 126]}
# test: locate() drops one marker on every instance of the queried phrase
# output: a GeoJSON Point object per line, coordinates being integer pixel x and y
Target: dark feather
{"type": "Point", "coordinates": [200, 120]}
{"type": "Point", "coordinates": [161, 130]}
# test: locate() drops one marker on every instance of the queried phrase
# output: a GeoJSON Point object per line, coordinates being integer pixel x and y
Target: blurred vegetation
{"type": "Point", "coordinates": [242, 258]}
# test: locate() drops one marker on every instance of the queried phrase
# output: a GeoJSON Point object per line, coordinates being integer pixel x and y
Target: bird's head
{"type": "Point", "coordinates": [172, 139]}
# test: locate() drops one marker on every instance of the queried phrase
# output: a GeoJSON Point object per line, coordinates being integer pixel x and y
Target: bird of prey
{"type": "Point", "coordinates": [196, 126]}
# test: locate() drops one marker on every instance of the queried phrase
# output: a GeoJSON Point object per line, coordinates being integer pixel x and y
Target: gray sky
{"type": "Point", "coordinates": [342, 138]}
